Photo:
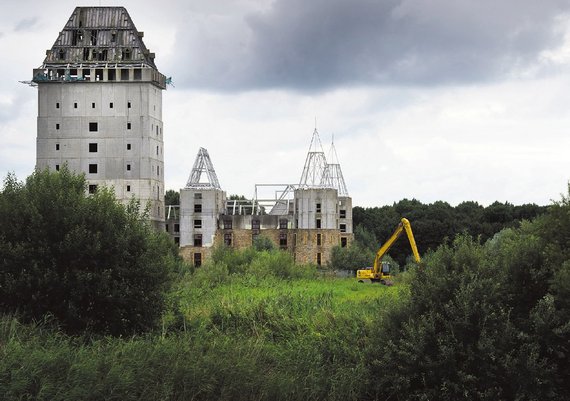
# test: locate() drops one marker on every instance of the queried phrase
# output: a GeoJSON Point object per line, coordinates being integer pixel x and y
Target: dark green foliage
{"type": "Point", "coordinates": [353, 257]}
{"type": "Point", "coordinates": [485, 322]}
{"type": "Point", "coordinates": [434, 223]}
{"type": "Point", "coordinates": [172, 197]}
{"type": "Point", "coordinates": [90, 262]}
{"type": "Point", "coordinates": [262, 243]}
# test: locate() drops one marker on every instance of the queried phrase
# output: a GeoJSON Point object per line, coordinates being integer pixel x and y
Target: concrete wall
{"type": "Point", "coordinates": [212, 202]}
{"type": "Point", "coordinates": [308, 245]}
{"type": "Point", "coordinates": [307, 213]}
{"type": "Point", "coordinates": [127, 146]}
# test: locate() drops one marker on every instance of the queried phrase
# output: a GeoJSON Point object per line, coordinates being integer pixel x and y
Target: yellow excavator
{"type": "Point", "coordinates": [380, 271]}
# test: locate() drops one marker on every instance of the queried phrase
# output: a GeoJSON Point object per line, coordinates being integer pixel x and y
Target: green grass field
{"type": "Point", "coordinates": [240, 337]}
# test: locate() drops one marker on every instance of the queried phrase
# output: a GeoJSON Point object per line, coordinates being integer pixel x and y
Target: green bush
{"type": "Point", "coordinates": [87, 260]}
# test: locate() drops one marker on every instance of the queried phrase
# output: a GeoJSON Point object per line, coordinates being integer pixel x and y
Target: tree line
{"type": "Point", "coordinates": [433, 223]}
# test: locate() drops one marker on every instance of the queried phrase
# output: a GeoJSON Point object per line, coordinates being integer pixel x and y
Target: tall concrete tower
{"type": "Point", "coordinates": [100, 107]}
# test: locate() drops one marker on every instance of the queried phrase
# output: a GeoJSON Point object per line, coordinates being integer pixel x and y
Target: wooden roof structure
{"type": "Point", "coordinates": [99, 36]}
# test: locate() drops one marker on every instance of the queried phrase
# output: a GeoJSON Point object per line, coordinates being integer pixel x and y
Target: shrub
{"type": "Point", "coordinates": [89, 261]}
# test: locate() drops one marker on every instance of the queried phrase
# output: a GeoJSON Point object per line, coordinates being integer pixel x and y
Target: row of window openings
{"type": "Point", "coordinates": [93, 188]}
{"type": "Point", "coordinates": [176, 228]}
{"type": "Point", "coordinates": [103, 55]}
{"type": "Point", "coordinates": [93, 148]}
{"type": "Point", "coordinates": [228, 237]}
{"type": "Point", "coordinates": [94, 127]}
{"type": "Point", "coordinates": [342, 212]}
{"type": "Point", "coordinates": [94, 167]}
{"type": "Point", "coordinates": [111, 104]}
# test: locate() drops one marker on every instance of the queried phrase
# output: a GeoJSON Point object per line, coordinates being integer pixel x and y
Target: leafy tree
{"type": "Point", "coordinates": [87, 260]}
{"type": "Point", "coordinates": [483, 321]}
{"type": "Point", "coordinates": [434, 223]}
{"type": "Point", "coordinates": [353, 257]}
{"type": "Point", "coordinates": [172, 197]}
{"type": "Point", "coordinates": [262, 243]}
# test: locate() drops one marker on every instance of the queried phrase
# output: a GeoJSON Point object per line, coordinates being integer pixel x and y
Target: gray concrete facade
{"type": "Point", "coordinates": [100, 107]}
{"type": "Point", "coordinates": [200, 211]}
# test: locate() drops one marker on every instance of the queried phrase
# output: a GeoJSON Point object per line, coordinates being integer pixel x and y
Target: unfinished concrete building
{"type": "Point", "coordinates": [306, 219]}
{"type": "Point", "coordinates": [100, 107]}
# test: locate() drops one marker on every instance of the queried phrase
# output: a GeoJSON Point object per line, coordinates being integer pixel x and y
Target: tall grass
{"type": "Point", "coordinates": [238, 329]}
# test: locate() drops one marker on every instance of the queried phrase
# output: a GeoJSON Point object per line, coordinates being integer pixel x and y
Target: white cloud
{"type": "Point", "coordinates": [505, 139]}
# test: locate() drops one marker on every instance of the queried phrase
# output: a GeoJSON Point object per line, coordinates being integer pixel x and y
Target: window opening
{"type": "Point", "coordinates": [318, 223]}
{"type": "Point", "coordinates": [93, 38]}
{"type": "Point", "coordinates": [197, 259]}
{"type": "Point", "coordinates": [318, 259]}
{"type": "Point", "coordinates": [92, 188]}
{"type": "Point", "coordinates": [57, 146]}
{"type": "Point", "coordinates": [319, 239]}
{"type": "Point", "coordinates": [198, 208]}
{"type": "Point", "coordinates": [227, 224]}
{"type": "Point", "coordinates": [283, 240]}
{"type": "Point", "coordinates": [128, 167]}
{"type": "Point", "coordinates": [282, 224]}
{"type": "Point", "coordinates": [343, 228]}
{"type": "Point", "coordinates": [343, 242]}
{"type": "Point", "coordinates": [92, 147]}
{"type": "Point", "coordinates": [128, 125]}
{"type": "Point", "coordinates": [93, 169]}
{"type": "Point", "coordinates": [56, 126]}
{"type": "Point", "coordinates": [228, 239]}
{"type": "Point", "coordinates": [93, 127]}
{"type": "Point", "coordinates": [318, 207]}
{"type": "Point", "coordinates": [197, 239]}
{"type": "Point", "coordinates": [176, 227]}
{"type": "Point", "coordinates": [198, 223]}
{"type": "Point", "coordinates": [57, 167]}
{"type": "Point", "coordinates": [129, 190]}
{"type": "Point", "coordinates": [343, 214]}
{"type": "Point", "coordinates": [128, 146]}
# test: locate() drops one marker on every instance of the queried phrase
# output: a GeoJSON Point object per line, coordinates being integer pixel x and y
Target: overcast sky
{"type": "Point", "coordinates": [447, 100]}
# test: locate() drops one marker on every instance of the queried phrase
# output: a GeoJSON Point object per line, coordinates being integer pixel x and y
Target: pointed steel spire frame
{"type": "Point", "coordinates": [316, 170]}
{"type": "Point", "coordinates": [203, 165]}
{"type": "Point", "coordinates": [335, 172]}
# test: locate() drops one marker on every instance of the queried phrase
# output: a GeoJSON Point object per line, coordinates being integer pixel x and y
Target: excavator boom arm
{"type": "Point", "coordinates": [404, 225]}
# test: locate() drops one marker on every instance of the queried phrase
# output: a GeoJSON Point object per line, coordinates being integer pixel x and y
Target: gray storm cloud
{"type": "Point", "coordinates": [324, 44]}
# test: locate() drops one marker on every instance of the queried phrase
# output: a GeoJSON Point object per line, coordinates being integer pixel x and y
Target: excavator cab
{"type": "Point", "coordinates": [386, 268]}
